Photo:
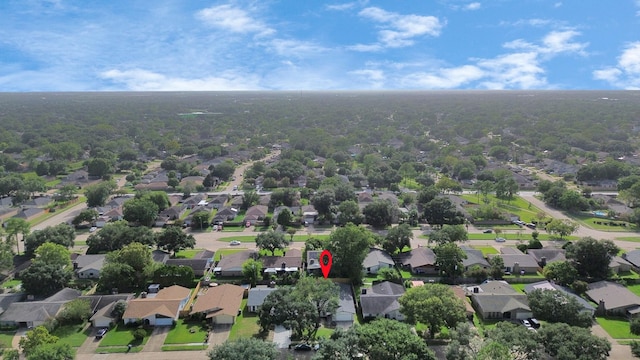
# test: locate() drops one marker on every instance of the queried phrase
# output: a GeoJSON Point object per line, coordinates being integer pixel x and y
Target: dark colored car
{"type": "Point", "coordinates": [488, 231]}
{"type": "Point", "coordinates": [302, 347]}
{"type": "Point", "coordinates": [101, 333]}
{"type": "Point", "coordinates": [534, 323]}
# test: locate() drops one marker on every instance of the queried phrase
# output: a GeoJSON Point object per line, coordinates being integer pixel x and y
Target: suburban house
{"type": "Point", "coordinates": [546, 285]}
{"type": "Point", "coordinates": [346, 311]}
{"type": "Point", "coordinates": [88, 266]}
{"type": "Point", "coordinates": [35, 313]}
{"type": "Point", "coordinates": [290, 262]}
{"type": "Point", "coordinates": [499, 300]}
{"type": "Point", "coordinates": [169, 215]}
{"type": "Point", "coordinates": [613, 298]}
{"type": "Point", "coordinates": [29, 213]}
{"type": "Point", "coordinates": [102, 307]}
{"type": "Point", "coordinates": [220, 305]}
{"type": "Point", "coordinates": [218, 201]}
{"type": "Point", "coordinates": [259, 211]}
{"type": "Point", "coordinates": [256, 297]}
{"type": "Point", "coordinates": [421, 260]}
{"type": "Point", "coordinates": [8, 299]}
{"type": "Point", "coordinates": [226, 214]}
{"type": "Point", "coordinates": [633, 257]}
{"type": "Point", "coordinates": [516, 261]}
{"type": "Point", "coordinates": [313, 261]}
{"type": "Point", "coordinates": [381, 300]}
{"type": "Point", "coordinates": [619, 265]}
{"type": "Point", "coordinates": [461, 294]}
{"type": "Point", "coordinates": [546, 256]}
{"type": "Point", "coordinates": [231, 265]}
{"type": "Point", "coordinates": [161, 309]}
{"type": "Point", "coordinates": [474, 258]}
{"type": "Point", "coordinates": [377, 259]}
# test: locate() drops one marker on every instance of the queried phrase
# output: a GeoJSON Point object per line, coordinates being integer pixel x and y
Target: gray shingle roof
{"type": "Point", "coordinates": [258, 294]}
{"type": "Point", "coordinates": [346, 303]}
{"type": "Point", "coordinates": [418, 257]}
{"type": "Point", "coordinates": [615, 296]}
{"type": "Point", "coordinates": [376, 257]}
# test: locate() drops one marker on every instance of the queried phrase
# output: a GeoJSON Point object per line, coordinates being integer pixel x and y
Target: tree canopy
{"type": "Point", "coordinates": [245, 348]}
{"type": "Point", "coordinates": [349, 246]}
{"type": "Point", "coordinates": [271, 241]}
{"type": "Point", "coordinates": [592, 257]}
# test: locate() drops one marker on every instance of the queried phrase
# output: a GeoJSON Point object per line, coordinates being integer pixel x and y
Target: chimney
{"type": "Point", "coordinates": [543, 261]}
{"type": "Point", "coordinates": [364, 292]}
{"type": "Point", "coordinates": [143, 295]}
{"type": "Point", "coordinates": [284, 265]}
{"type": "Point", "coordinates": [476, 290]}
{"type": "Point", "coordinates": [75, 265]}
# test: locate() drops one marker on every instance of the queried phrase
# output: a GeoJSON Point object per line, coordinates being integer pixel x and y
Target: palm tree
{"type": "Point", "coordinates": [15, 226]}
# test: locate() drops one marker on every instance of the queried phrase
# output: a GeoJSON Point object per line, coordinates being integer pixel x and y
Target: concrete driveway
{"type": "Point", "coordinates": [281, 337]}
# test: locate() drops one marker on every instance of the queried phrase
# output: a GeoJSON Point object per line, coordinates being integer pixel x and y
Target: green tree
{"type": "Point", "coordinates": [271, 241]}
{"type": "Point", "coordinates": [97, 194]}
{"type": "Point", "coordinates": [448, 234]}
{"type": "Point", "coordinates": [54, 254]}
{"type": "Point", "coordinates": [522, 344]}
{"type": "Point", "coordinates": [561, 272]}
{"type": "Point", "coordinates": [138, 257]}
{"type": "Point", "coordinates": [434, 305]}
{"type": "Point", "coordinates": [561, 227]}
{"type": "Point", "coordinates": [634, 326]}
{"type": "Point", "coordinates": [390, 274]}
{"type": "Point", "coordinates": [249, 198]}
{"type": "Point", "coordinates": [160, 198]}
{"type": "Point", "coordinates": [478, 273]}
{"type": "Point", "coordinates": [397, 238]}
{"type": "Point", "coordinates": [341, 345]}
{"type": "Point", "coordinates": [200, 219]}
{"type": "Point", "coordinates": [449, 258]}
{"type": "Point", "coordinates": [224, 170]}
{"type": "Point", "coordinates": [14, 227]}
{"type": "Point", "coordinates": [384, 339]}
{"type": "Point", "coordinates": [61, 234]}
{"type": "Point", "coordinates": [67, 192]}
{"type": "Point", "coordinates": [43, 279]}
{"type": "Point", "coordinates": [140, 211]}
{"type": "Point", "coordinates": [379, 213]}
{"type": "Point", "coordinates": [592, 257]}
{"type": "Point", "coordinates": [554, 306]}
{"type": "Point", "coordinates": [349, 212]}
{"type": "Point", "coordinates": [440, 211]}
{"type": "Point", "coordinates": [168, 275]}
{"type": "Point", "coordinates": [173, 239]}
{"type": "Point", "coordinates": [284, 218]}
{"type": "Point", "coordinates": [75, 311]}
{"type": "Point", "coordinates": [252, 271]}
{"type": "Point", "coordinates": [85, 216]}
{"type": "Point", "coordinates": [323, 202]}
{"type": "Point", "coordinates": [349, 246]}
{"type": "Point", "coordinates": [34, 338]}
{"type": "Point", "coordinates": [569, 342]}
{"type": "Point", "coordinates": [245, 348]}
{"type": "Point", "coordinates": [100, 167]}
{"type": "Point", "coordinates": [118, 276]}
{"type": "Point", "coordinates": [116, 235]}
{"type": "Point", "coordinates": [496, 267]}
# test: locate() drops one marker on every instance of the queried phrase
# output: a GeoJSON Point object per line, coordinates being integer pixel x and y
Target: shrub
{"type": "Point", "coordinates": [139, 334]}
{"type": "Point", "coordinates": [634, 326]}
{"type": "Point", "coordinates": [635, 348]}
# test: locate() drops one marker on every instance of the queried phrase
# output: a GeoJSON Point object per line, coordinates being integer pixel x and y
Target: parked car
{"type": "Point", "coordinates": [530, 226]}
{"type": "Point", "coordinates": [526, 323]}
{"type": "Point", "coordinates": [500, 239]}
{"type": "Point", "coordinates": [534, 323]}
{"type": "Point", "coordinates": [302, 347]}
{"type": "Point", "coordinates": [93, 229]}
{"type": "Point", "coordinates": [101, 333]}
{"type": "Point", "coordinates": [488, 231]}
{"type": "Point", "coordinates": [235, 242]}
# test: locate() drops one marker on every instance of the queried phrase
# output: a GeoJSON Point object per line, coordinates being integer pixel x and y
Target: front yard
{"type": "Point", "coordinates": [119, 338]}
{"type": "Point", "coordinates": [74, 335]}
{"type": "Point", "coordinates": [616, 327]}
{"type": "Point", "coordinates": [186, 336]}
{"type": "Point", "coordinates": [246, 324]}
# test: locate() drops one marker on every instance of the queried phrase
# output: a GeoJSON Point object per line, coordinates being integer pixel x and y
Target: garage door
{"type": "Point", "coordinates": [164, 322]}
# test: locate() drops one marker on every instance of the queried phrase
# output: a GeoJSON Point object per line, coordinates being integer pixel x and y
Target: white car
{"type": "Point", "coordinates": [235, 242]}
{"type": "Point", "coordinates": [500, 239]}
{"type": "Point", "coordinates": [93, 229]}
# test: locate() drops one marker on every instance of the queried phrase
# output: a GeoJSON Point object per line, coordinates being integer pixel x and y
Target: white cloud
{"type": "Point", "coordinates": [398, 30]}
{"type": "Point", "coordinates": [297, 48]}
{"type": "Point", "coordinates": [375, 78]}
{"type": "Point", "coordinates": [346, 6]}
{"type": "Point", "coordinates": [366, 47]}
{"type": "Point", "coordinates": [228, 17]}
{"type": "Point", "coordinates": [553, 43]}
{"type": "Point", "coordinates": [557, 5]}
{"type": "Point", "coordinates": [447, 78]}
{"type": "Point", "coordinates": [144, 80]}
{"type": "Point", "coordinates": [472, 6]}
{"type": "Point", "coordinates": [626, 73]}
{"type": "Point", "coordinates": [535, 22]}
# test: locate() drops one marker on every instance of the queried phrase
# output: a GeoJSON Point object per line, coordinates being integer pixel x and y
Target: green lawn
{"type": "Point", "coordinates": [519, 287]}
{"type": "Point", "coordinates": [617, 328]}
{"type": "Point", "coordinates": [193, 347]}
{"type": "Point", "coordinates": [630, 239]}
{"type": "Point", "coordinates": [186, 333]}
{"type": "Point", "coordinates": [518, 206]}
{"type": "Point", "coordinates": [252, 239]}
{"type": "Point", "coordinates": [72, 334]}
{"type": "Point", "coordinates": [6, 338]}
{"type": "Point", "coordinates": [324, 332]}
{"type": "Point", "coordinates": [122, 336]}
{"type": "Point", "coordinates": [634, 289]}
{"type": "Point", "coordinates": [246, 324]}
{"type": "Point", "coordinates": [187, 254]}
{"type": "Point", "coordinates": [590, 220]}
{"type": "Point", "coordinates": [11, 283]}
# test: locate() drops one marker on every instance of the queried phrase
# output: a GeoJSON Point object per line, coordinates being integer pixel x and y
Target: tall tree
{"type": "Point", "coordinates": [252, 271]}
{"type": "Point", "coordinates": [349, 246]}
{"type": "Point", "coordinates": [592, 257]}
{"type": "Point", "coordinates": [449, 258]}
{"type": "Point", "coordinates": [379, 213]}
{"type": "Point", "coordinates": [440, 211]}
{"type": "Point", "coordinates": [173, 239]}
{"type": "Point", "coordinates": [44, 279]}
{"type": "Point", "coordinates": [568, 342]}
{"type": "Point", "coordinates": [448, 234]}
{"type": "Point", "coordinates": [323, 202]}
{"type": "Point", "coordinates": [522, 343]}
{"type": "Point", "coordinates": [140, 211]}
{"type": "Point", "coordinates": [271, 241]}
{"type": "Point", "coordinates": [54, 254]}
{"type": "Point", "coordinates": [87, 215]}
{"type": "Point", "coordinates": [397, 238]}
{"type": "Point", "coordinates": [116, 235]}
{"type": "Point", "coordinates": [434, 305]}
{"type": "Point", "coordinates": [554, 306]}
{"type": "Point", "coordinates": [249, 198]}
{"type": "Point", "coordinates": [98, 194]}
{"type": "Point", "coordinates": [15, 226]}
{"type": "Point", "coordinates": [384, 339]}
{"type": "Point", "coordinates": [36, 337]}
{"type": "Point", "coordinates": [349, 212]}
{"type": "Point", "coordinates": [322, 293]}
{"type": "Point", "coordinates": [61, 234]}
{"type": "Point", "coordinates": [560, 272]}
{"type": "Point", "coordinates": [561, 227]}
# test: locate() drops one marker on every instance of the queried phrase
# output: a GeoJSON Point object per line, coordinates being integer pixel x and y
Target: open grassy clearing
{"type": "Point", "coordinates": [518, 206]}
{"type": "Point", "coordinates": [602, 224]}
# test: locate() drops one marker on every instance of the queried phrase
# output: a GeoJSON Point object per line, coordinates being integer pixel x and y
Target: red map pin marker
{"type": "Point", "coordinates": [325, 262]}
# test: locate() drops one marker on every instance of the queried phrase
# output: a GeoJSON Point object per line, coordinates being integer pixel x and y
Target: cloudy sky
{"type": "Point", "coordinates": [81, 45]}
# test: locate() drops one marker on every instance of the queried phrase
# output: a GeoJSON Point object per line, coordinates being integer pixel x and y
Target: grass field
{"type": "Point", "coordinates": [486, 250]}
{"type": "Point", "coordinates": [252, 239]}
{"type": "Point", "coordinates": [187, 253]}
{"type": "Point", "coordinates": [221, 252]}
{"type": "Point", "coordinates": [121, 336]}
{"type": "Point", "coordinates": [617, 328]}
{"type": "Point", "coordinates": [246, 324]}
{"type": "Point", "coordinates": [518, 206]}
{"type": "Point", "coordinates": [6, 337]}
{"type": "Point", "coordinates": [72, 334]}
{"type": "Point", "coordinates": [591, 221]}
{"type": "Point", "coordinates": [186, 333]}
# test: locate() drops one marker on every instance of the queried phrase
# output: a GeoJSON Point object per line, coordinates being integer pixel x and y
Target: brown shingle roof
{"type": "Point", "coordinates": [223, 299]}
{"type": "Point", "coordinates": [174, 292]}
{"type": "Point", "coordinates": [141, 308]}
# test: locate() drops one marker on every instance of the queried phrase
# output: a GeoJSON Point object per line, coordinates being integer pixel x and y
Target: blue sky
{"type": "Point", "coordinates": [87, 45]}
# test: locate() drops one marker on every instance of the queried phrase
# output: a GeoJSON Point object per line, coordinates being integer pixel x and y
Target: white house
{"type": "Point", "coordinates": [377, 259]}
